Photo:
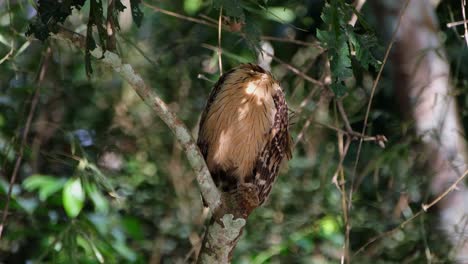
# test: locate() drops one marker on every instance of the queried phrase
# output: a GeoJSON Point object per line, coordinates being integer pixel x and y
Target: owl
{"type": "Point", "coordinates": [244, 133]}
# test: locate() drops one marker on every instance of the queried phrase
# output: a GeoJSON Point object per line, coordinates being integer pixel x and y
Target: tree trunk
{"type": "Point", "coordinates": [422, 75]}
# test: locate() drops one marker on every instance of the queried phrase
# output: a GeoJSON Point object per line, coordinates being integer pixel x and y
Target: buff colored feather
{"type": "Point", "coordinates": [241, 125]}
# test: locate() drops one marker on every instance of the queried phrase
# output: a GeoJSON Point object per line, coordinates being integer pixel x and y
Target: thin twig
{"type": "Point", "coordinates": [280, 20]}
{"type": "Point", "coordinates": [344, 117]}
{"type": "Point", "coordinates": [295, 70]}
{"type": "Point", "coordinates": [298, 42]}
{"type": "Point", "coordinates": [457, 23]}
{"type": "Point", "coordinates": [354, 135]}
{"type": "Point", "coordinates": [343, 153]}
{"type": "Point", "coordinates": [57, 239]}
{"type": "Point", "coordinates": [212, 23]}
{"type": "Point", "coordinates": [306, 100]}
{"type": "Point", "coordinates": [139, 50]}
{"type": "Point", "coordinates": [177, 15]}
{"type": "Point", "coordinates": [9, 54]}
{"type": "Point", "coordinates": [343, 150]}
{"type": "Point", "coordinates": [19, 159]}
{"type": "Point", "coordinates": [452, 187]}
{"type": "Point", "coordinates": [358, 6]}
{"type": "Point", "coordinates": [465, 22]}
{"type": "Point", "coordinates": [387, 233]}
{"type": "Point", "coordinates": [376, 82]}
{"type": "Point", "coordinates": [220, 61]}
{"type": "Point", "coordinates": [110, 26]}
{"type": "Point", "coordinates": [304, 128]}
{"type": "Point", "coordinates": [203, 77]}
{"type": "Point", "coordinates": [288, 66]}
{"type": "Point", "coordinates": [420, 212]}
{"type": "Point", "coordinates": [325, 98]}
{"type": "Point", "coordinates": [363, 132]}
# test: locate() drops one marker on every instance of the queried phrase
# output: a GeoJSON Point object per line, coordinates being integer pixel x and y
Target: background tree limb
{"type": "Point", "coordinates": [207, 187]}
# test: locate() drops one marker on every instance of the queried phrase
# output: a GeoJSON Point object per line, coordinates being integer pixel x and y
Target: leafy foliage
{"type": "Point", "coordinates": [73, 197]}
{"type": "Point", "coordinates": [237, 11]}
{"type": "Point", "coordinates": [103, 180]}
{"type": "Point", "coordinates": [344, 42]}
{"type": "Point", "coordinates": [137, 14]}
{"type": "Point", "coordinates": [52, 13]}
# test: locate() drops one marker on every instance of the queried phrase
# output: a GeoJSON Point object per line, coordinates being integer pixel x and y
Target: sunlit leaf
{"type": "Point", "coordinates": [328, 226]}
{"type": "Point", "coordinates": [133, 227]}
{"type": "Point", "coordinates": [100, 203]}
{"type": "Point", "coordinates": [23, 48]}
{"type": "Point", "coordinates": [192, 6]}
{"type": "Point", "coordinates": [46, 185]}
{"type": "Point", "coordinates": [73, 197]}
{"type": "Point", "coordinates": [280, 14]}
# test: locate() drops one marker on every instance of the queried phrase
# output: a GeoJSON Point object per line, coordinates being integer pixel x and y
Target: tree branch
{"type": "Point", "coordinates": [207, 187]}
{"type": "Point", "coordinates": [221, 239]}
{"type": "Point", "coordinates": [224, 231]}
{"type": "Point", "coordinates": [35, 100]}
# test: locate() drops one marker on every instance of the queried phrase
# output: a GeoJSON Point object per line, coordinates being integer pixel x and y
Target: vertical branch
{"type": "Point", "coordinates": [220, 240]}
{"type": "Point", "coordinates": [223, 234]}
{"type": "Point", "coordinates": [357, 5]}
{"type": "Point", "coordinates": [374, 87]}
{"type": "Point", "coordinates": [423, 80]}
{"type": "Point", "coordinates": [465, 22]}
{"type": "Point", "coordinates": [220, 61]}
{"type": "Point", "coordinates": [19, 158]}
{"type": "Point", "coordinates": [110, 26]}
{"type": "Point", "coordinates": [343, 148]}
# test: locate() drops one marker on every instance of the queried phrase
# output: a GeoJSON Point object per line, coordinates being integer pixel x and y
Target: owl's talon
{"type": "Point", "coordinates": [247, 195]}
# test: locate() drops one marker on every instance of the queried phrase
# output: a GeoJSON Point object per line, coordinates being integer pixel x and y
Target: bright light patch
{"type": "Point", "coordinates": [280, 14]}
{"type": "Point", "coordinates": [250, 88]}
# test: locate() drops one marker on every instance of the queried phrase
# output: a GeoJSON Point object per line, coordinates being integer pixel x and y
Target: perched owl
{"type": "Point", "coordinates": [244, 132]}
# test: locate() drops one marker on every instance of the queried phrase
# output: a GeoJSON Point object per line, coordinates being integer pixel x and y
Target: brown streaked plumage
{"type": "Point", "coordinates": [243, 132]}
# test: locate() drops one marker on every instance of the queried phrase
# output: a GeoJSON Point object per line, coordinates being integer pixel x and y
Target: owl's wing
{"type": "Point", "coordinates": [276, 149]}
{"type": "Point", "coordinates": [202, 142]}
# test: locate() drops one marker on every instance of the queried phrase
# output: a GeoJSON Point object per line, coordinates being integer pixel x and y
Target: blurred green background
{"type": "Point", "coordinates": [104, 181]}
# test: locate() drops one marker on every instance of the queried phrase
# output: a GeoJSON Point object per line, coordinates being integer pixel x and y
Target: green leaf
{"type": "Point", "coordinates": [338, 88]}
{"type": "Point", "coordinates": [324, 37]}
{"type": "Point", "coordinates": [96, 18]}
{"type": "Point", "coordinates": [191, 7]}
{"type": "Point", "coordinates": [50, 13]}
{"type": "Point", "coordinates": [280, 14]}
{"type": "Point", "coordinates": [137, 14]}
{"type": "Point", "coordinates": [340, 61]}
{"type": "Point", "coordinates": [339, 37]}
{"type": "Point", "coordinates": [133, 227]}
{"type": "Point", "coordinates": [363, 45]}
{"type": "Point", "coordinates": [328, 226]}
{"type": "Point", "coordinates": [46, 185]}
{"type": "Point", "coordinates": [100, 203]}
{"type": "Point", "coordinates": [119, 6]}
{"type": "Point", "coordinates": [73, 197]}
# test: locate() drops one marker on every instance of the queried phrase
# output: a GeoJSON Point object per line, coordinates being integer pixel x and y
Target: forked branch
{"type": "Point", "coordinates": [207, 187]}
{"type": "Point", "coordinates": [222, 235]}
